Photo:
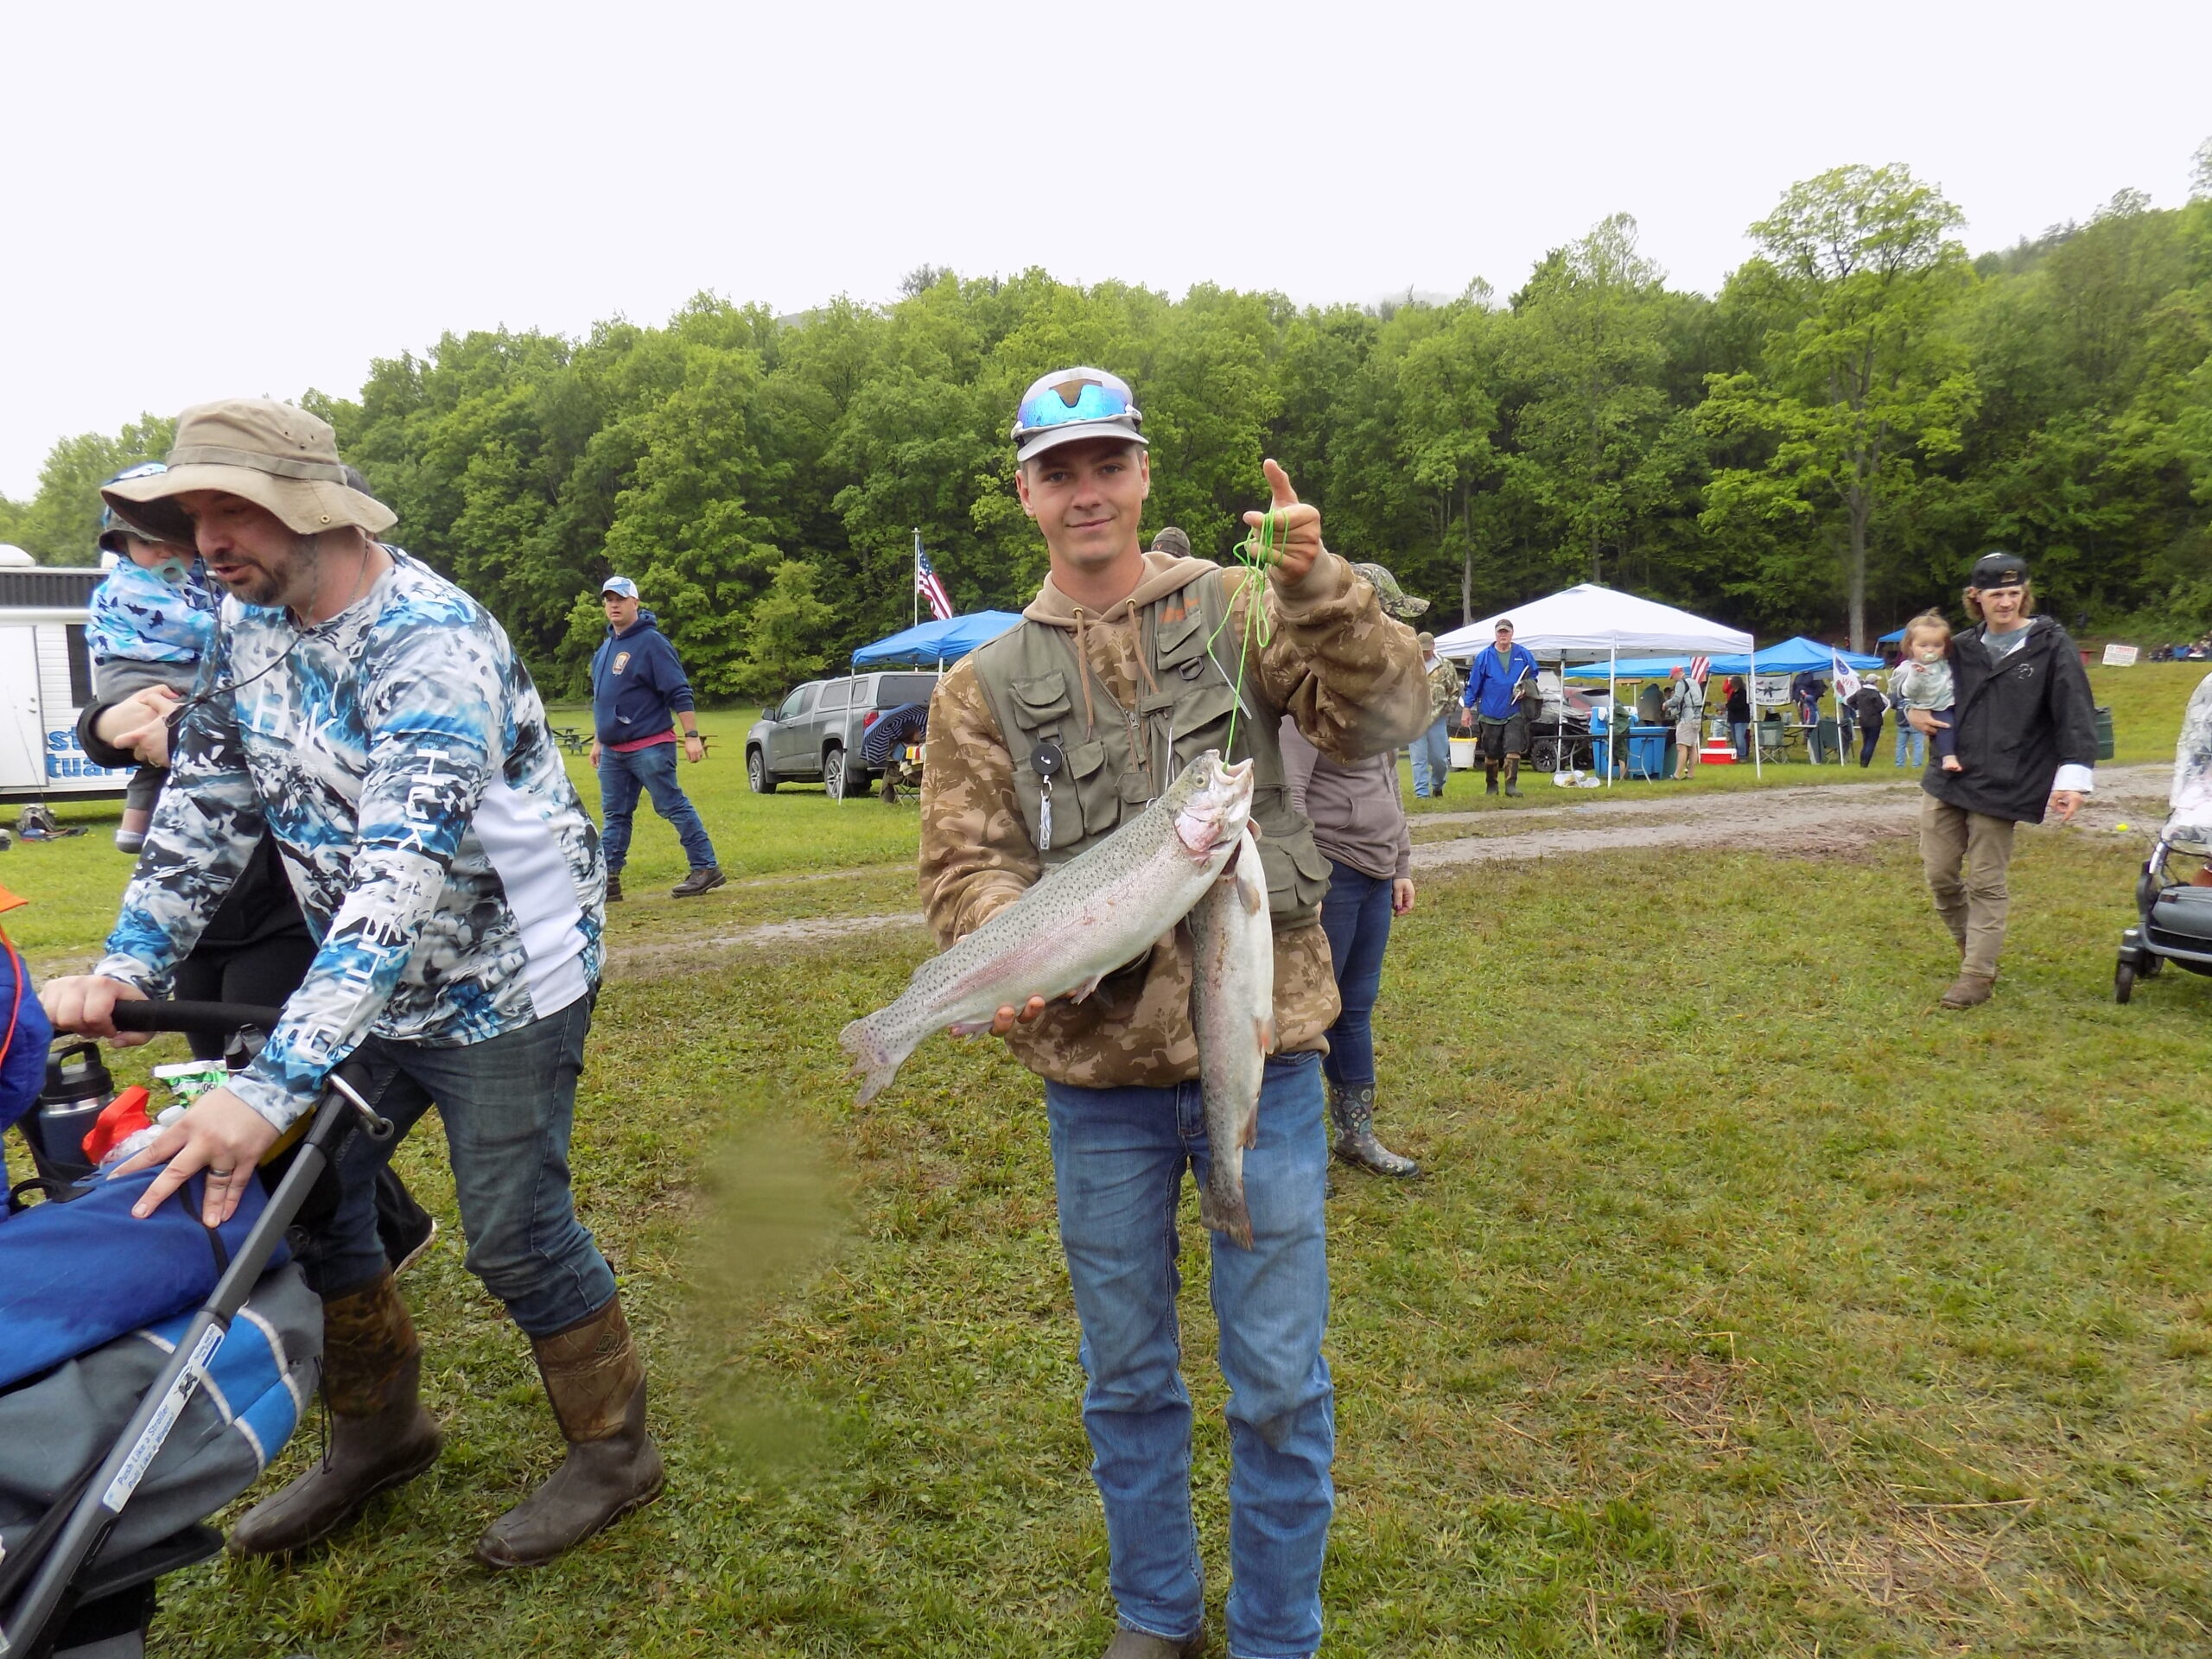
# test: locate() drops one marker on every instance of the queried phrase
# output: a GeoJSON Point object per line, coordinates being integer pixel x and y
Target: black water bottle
{"type": "Point", "coordinates": [78, 1088]}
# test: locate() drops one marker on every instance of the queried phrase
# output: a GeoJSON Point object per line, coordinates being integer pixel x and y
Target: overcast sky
{"type": "Point", "coordinates": [200, 201]}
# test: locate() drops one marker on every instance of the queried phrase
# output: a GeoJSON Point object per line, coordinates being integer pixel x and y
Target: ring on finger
{"type": "Point", "coordinates": [220, 1174]}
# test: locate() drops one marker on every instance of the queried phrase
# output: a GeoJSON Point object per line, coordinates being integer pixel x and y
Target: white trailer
{"type": "Point", "coordinates": [45, 677]}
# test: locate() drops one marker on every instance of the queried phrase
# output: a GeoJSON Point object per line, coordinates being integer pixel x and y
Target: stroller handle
{"type": "Point", "coordinates": [208, 1018]}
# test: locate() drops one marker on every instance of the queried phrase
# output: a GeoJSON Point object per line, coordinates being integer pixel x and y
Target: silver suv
{"type": "Point", "coordinates": [814, 730]}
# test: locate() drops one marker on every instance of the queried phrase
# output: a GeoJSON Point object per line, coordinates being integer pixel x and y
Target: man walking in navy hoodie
{"type": "Point", "coordinates": [638, 692]}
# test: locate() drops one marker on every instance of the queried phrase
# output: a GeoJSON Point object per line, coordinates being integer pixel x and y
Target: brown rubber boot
{"type": "Point", "coordinates": [1968, 991]}
{"type": "Point", "coordinates": [597, 1384]}
{"type": "Point", "coordinates": [380, 1437]}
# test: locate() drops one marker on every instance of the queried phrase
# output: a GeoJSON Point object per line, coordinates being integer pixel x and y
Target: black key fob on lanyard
{"type": "Point", "coordinates": [1047, 758]}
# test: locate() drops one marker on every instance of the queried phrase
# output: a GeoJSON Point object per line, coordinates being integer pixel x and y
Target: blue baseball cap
{"type": "Point", "coordinates": [620, 585]}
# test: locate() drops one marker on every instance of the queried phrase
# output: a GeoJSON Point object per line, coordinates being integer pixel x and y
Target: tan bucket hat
{"type": "Point", "coordinates": [275, 456]}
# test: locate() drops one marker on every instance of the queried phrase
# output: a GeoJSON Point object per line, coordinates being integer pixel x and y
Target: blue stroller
{"type": "Point", "coordinates": [115, 1443]}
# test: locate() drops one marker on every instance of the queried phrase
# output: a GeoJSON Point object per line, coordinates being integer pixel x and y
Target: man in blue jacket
{"type": "Point", "coordinates": [638, 693]}
{"type": "Point", "coordinates": [1495, 688]}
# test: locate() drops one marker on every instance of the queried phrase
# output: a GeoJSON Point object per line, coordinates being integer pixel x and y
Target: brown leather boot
{"type": "Point", "coordinates": [597, 1384]}
{"type": "Point", "coordinates": [380, 1437]}
{"type": "Point", "coordinates": [1968, 991]}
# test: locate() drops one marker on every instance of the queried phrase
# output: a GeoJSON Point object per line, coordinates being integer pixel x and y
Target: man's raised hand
{"type": "Point", "coordinates": [1296, 534]}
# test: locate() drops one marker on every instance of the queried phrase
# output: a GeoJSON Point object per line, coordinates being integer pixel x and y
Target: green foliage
{"type": "Point", "coordinates": [61, 524]}
{"type": "Point", "coordinates": [1829, 442]}
{"type": "Point", "coordinates": [785, 634]}
{"type": "Point", "coordinates": [1857, 378]}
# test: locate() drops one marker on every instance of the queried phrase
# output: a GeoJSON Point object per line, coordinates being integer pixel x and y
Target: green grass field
{"type": "Point", "coordinates": [1749, 1306]}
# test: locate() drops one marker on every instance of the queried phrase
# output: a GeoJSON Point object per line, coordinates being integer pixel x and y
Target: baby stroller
{"type": "Point", "coordinates": [2173, 913]}
{"type": "Point", "coordinates": [112, 1454]}
{"type": "Point", "coordinates": [2173, 916]}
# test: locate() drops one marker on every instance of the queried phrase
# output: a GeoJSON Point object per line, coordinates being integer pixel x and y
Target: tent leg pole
{"type": "Point", "coordinates": [1758, 767]}
{"type": "Point", "coordinates": [1613, 715]}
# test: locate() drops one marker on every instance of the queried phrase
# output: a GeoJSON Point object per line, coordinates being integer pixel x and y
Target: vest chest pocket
{"type": "Point", "coordinates": [1201, 717]}
{"type": "Point", "coordinates": [1040, 701]}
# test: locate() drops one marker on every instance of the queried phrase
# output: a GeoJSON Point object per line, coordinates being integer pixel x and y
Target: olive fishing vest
{"type": "Point", "coordinates": [1103, 774]}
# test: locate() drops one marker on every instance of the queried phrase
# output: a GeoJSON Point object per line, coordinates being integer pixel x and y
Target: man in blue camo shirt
{"type": "Point", "coordinates": [375, 720]}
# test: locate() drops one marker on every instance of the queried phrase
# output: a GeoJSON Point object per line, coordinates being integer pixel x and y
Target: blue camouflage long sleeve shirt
{"type": "Point", "coordinates": [399, 754]}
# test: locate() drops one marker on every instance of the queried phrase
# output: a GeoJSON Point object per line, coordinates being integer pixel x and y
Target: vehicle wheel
{"type": "Point", "coordinates": [2123, 982]}
{"type": "Point", "coordinates": [833, 772]}
{"type": "Point", "coordinates": [1546, 758]}
{"type": "Point", "coordinates": [757, 773]}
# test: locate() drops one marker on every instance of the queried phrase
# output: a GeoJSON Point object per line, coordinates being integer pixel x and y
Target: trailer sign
{"type": "Point", "coordinates": [46, 680]}
{"type": "Point", "coordinates": [64, 759]}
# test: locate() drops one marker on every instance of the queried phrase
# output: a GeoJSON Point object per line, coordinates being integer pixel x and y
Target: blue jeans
{"type": "Point", "coordinates": [1910, 741]}
{"type": "Point", "coordinates": [507, 1104]}
{"type": "Point", "coordinates": [1356, 915]}
{"type": "Point", "coordinates": [653, 770]}
{"type": "Point", "coordinates": [1739, 734]}
{"type": "Point", "coordinates": [1431, 753]}
{"type": "Point", "coordinates": [1118, 1158]}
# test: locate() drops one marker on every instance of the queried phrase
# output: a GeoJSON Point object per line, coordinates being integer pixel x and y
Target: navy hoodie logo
{"type": "Point", "coordinates": [621, 661]}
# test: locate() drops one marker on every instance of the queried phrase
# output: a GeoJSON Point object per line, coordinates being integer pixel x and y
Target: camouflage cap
{"type": "Point", "coordinates": [1396, 602]}
{"type": "Point", "coordinates": [1172, 539]}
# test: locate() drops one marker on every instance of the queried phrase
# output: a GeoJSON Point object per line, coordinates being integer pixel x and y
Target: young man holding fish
{"type": "Point", "coordinates": [1129, 667]}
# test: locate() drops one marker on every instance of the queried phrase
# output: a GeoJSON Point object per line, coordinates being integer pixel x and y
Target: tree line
{"type": "Point", "coordinates": [1822, 447]}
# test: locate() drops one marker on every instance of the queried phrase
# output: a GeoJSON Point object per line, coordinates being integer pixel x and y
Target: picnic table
{"type": "Point", "coordinates": [573, 739]}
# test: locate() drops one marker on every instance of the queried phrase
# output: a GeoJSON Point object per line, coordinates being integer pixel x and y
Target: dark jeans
{"type": "Point", "coordinates": [1870, 734]}
{"type": "Point", "coordinates": [1356, 915]}
{"type": "Point", "coordinates": [621, 778]}
{"type": "Point", "coordinates": [507, 1104]}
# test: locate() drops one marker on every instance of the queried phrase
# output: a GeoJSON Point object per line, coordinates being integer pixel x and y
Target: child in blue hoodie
{"type": "Point", "coordinates": [152, 623]}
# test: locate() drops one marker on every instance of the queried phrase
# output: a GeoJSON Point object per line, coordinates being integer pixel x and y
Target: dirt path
{"type": "Point", "coordinates": [1815, 819]}
{"type": "Point", "coordinates": [1811, 820]}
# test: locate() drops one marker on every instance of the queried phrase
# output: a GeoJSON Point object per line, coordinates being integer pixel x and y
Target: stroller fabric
{"type": "Point", "coordinates": [52, 1429]}
{"type": "Point", "coordinates": [74, 1275]}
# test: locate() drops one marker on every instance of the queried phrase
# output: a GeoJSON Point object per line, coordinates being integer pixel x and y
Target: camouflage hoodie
{"type": "Point", "coordinates": [1348, 676]}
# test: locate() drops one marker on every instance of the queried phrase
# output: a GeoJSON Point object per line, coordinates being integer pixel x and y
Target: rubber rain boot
{"type": "Point", "coordinates": [380, 1437]}
{"type": "Point", "coordinates": [1352, 1111]}
{"type": "Point", "coordinates": [596, 1382]}
{"type": "Point", "coordinates": [1512, 774]}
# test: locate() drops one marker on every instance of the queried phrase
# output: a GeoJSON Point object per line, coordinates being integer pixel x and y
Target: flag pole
{"type": "Point", "coordinates": [918, 575]}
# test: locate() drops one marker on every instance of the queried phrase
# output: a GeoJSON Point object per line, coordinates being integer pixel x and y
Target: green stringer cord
{"type": "Point", "coordinates": [1256, 553]}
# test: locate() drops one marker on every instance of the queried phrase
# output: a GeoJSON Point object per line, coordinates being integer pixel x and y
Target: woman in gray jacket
{"type": "Point", "coordinates": [1359, 824]}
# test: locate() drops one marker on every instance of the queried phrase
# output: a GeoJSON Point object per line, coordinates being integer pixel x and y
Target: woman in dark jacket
{"type": "Point", "coordinates": [1869, 705]}
{"type": "Point", "coordinates": [1739, 717]}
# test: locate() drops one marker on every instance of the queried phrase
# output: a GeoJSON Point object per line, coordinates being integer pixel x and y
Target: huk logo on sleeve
{"type": "Point", "coordinates": [621, 661]}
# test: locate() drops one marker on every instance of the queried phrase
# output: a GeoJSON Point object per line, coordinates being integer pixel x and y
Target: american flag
{"type": "Point", "coordinates": [928, 585]}
{"type": "Point", "coordinates": [1701, 667]}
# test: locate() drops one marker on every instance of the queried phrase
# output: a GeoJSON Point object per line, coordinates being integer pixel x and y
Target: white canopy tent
{"type": "Point", "coordinates": [1588, 623]}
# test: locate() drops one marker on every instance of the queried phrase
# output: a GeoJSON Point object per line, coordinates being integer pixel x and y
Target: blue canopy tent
{"type": "Point", "coordinates": [933, 645]}
{"type": "Point", "coordinates": [1894, 638]}
{"type": "Point", "coordinates": [1790, 656]}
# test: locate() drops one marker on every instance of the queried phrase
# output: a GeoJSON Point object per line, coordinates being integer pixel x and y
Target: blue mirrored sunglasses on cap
{"type": "Point", "coordinates": [1072, 402]}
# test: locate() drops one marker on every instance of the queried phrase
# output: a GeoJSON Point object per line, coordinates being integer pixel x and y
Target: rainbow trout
{"type": "Point", "coordinates": [1082, 920]}
{"type": "Point", "coordinates": [1233, 1011]}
